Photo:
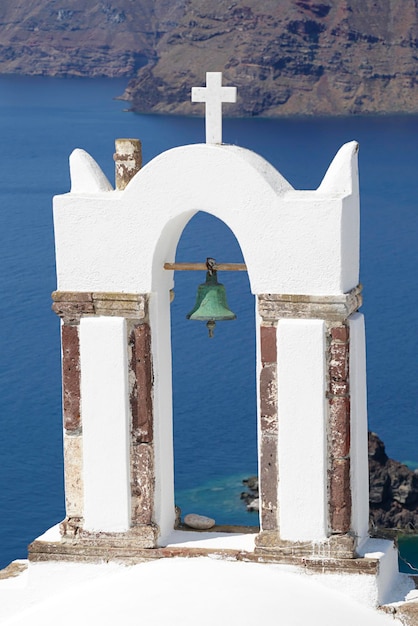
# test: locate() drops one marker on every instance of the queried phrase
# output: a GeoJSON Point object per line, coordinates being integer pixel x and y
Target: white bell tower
{"type": "Point", "coordinates": [301, 250]}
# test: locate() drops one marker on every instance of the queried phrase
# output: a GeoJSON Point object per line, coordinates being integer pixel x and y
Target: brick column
{"type": "Point", "coordinates": [142, 434]}
{"type": "Point", "coordinates": [72, 427]}
{"type": "Point", "coordinates": [334, 310]}
{"type": "Point", "coordinates": [70, 312]}
{"type": "Point", "coordinates": [339, 430]}
{"type": "Point", "coordinates": [71, 376]}
{"type": "Point", "coordinates": [71, 306]}
{"type": "Point", "coordinates": [268, 471]}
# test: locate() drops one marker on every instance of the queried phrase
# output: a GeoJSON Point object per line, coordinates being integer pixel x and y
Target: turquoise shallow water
{"type": "Point", "coordinates": [222, 494]}
{"type": "Point", "coordinates": [41, 122]}
{"type": "Point", "coordinates": [408, 550]}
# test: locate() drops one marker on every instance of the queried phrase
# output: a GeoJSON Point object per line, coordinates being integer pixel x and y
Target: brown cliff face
{"type": "Point", "coordinates": [303, 57]}
{"type": "Point", "coordinates": [288, 57]}
{"type": "Point", "coordinates": [393, 490]}
{"type": "Point", "coordinates": [74, 38]}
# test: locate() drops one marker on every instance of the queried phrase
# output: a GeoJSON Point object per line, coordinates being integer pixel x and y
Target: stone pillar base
{"type": "Point", "coordinates": [335, 547]}
{"type": "Point", "coordinates": [77, 544]}
{"type": "Point", "coordinates": [70, 527]}
{"type": "Point", "coordinates": [141, 536]}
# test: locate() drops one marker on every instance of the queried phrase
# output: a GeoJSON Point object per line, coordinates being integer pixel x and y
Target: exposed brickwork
{"type": "Point", "coordinates": [141, 401]}
{"type": "Point", "coordinates": [71, 376]}
{"type": "Point", "coordinates": [340, 333]}
{"type": "Point", "coordinates": [339, 427]}
{"type": "Point", "coordinates": [142, 463]}
{"type": "Point", "coordinates": [340, 495]}
{"type": "Point", "coordinates": [339, 488]}
{"type": "Point", "coordinates": [268, 471]}
{"type": "Point", "coordinates": [142, 383]}
{"type": "Point", "coordinates": [268, 338]}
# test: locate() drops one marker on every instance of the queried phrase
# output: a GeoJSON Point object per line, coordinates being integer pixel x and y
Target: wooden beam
{"type": "Point", "coordinates": [225, 267]}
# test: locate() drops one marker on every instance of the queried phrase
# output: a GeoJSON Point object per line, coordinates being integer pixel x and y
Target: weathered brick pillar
{"type": "Point", "coordinates": [268, 471]}
{"type": "Point", "coordinates": [334, 311]}
{"type": "Point", "coordinates": [142, 433]}
{"type": "Point", "coordinates": [71, 306]}
{"type": "Point", "coordinates": [339, 429]}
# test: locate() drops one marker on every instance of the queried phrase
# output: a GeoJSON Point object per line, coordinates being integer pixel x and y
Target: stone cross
{"type": "Point", "coordinates": [213, 95]}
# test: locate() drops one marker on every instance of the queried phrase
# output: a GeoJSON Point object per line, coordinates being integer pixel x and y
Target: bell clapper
{"type": "Point", "coordinates": [210, 325]}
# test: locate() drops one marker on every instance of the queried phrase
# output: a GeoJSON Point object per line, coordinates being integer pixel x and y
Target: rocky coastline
{"type": "Point", "coordinates": [393, 492]}
{"type": "Point", "coordinates": [290, 58]}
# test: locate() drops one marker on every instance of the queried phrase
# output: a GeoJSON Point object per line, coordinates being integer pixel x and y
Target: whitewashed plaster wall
{"type": "Point", "coordinates": [358, 422]}
{"type": "Point", "coordinates": [104, 406]}
{"type": "Point", "coordinates": [163, 414]}
{"type": "Point", "coordinates": [302, 439]}
{"type": "Point", "coordinates": [118, 240]}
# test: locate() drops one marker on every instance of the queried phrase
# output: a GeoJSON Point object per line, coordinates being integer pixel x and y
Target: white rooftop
{"type": "Point", "coordinates": [179, 591]}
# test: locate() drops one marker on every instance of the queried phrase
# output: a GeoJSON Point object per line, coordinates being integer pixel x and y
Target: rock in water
{"type": "Point", "coordinates": [252, 483]}
{"type": "Point", "coordinates": [251, 497]}
{"type": "Point", "coordinates": [200, 522]}
{"type": "Point", "coordinates": [253, 505]}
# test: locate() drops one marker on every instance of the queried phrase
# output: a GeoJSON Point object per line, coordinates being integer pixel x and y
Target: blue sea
{"type": "Point", "coordinates": [41, 121]}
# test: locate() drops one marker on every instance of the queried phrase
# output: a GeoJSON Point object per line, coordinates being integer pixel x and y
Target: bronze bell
{"type": "Point", "coordinates": [211, 305]}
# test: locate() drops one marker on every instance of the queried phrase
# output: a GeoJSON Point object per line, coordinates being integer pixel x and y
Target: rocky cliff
{"type": "Point", "coordinates": [303, 57]}
{"type": "Point", "coordinates": [73, 38]}
{"type": "Point", "coordinates": [289, 57]}
{"type": "Point", "coordinates": [393, 491]}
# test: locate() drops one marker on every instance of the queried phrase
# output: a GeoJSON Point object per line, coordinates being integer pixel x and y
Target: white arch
{"type": "Point", "coordinates": [292, 241]}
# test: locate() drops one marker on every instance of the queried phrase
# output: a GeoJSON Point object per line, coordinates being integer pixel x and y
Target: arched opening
{"type": "Point", "coordinates": [214, 384]}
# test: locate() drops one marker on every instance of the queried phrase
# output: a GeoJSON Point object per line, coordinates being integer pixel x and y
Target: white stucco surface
{"type": "Point", "coordinates": [302, 435]}
{"type": "Point", "coordinates": [216, 540]}
{"type": "Point", "coordinates": [390, 585]}
{"type": "Point", "coordinates": [163, 414]}
{"type": "Point", "coordinates": [86, 175]}
{"type": "Point", "coordinates": [359, 448]}
{"type": "Point", "coordinates": [104, 397]}
{"type": "Point", "coordinates": [309, 239]}
{"type": "Point", "coordinates": [177, 592]}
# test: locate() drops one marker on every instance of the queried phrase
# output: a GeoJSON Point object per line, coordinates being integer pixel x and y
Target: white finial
{"type": "Point", "coordinates": [213, 95]}
{"type": "Point", "coordinates": [86, 176]}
